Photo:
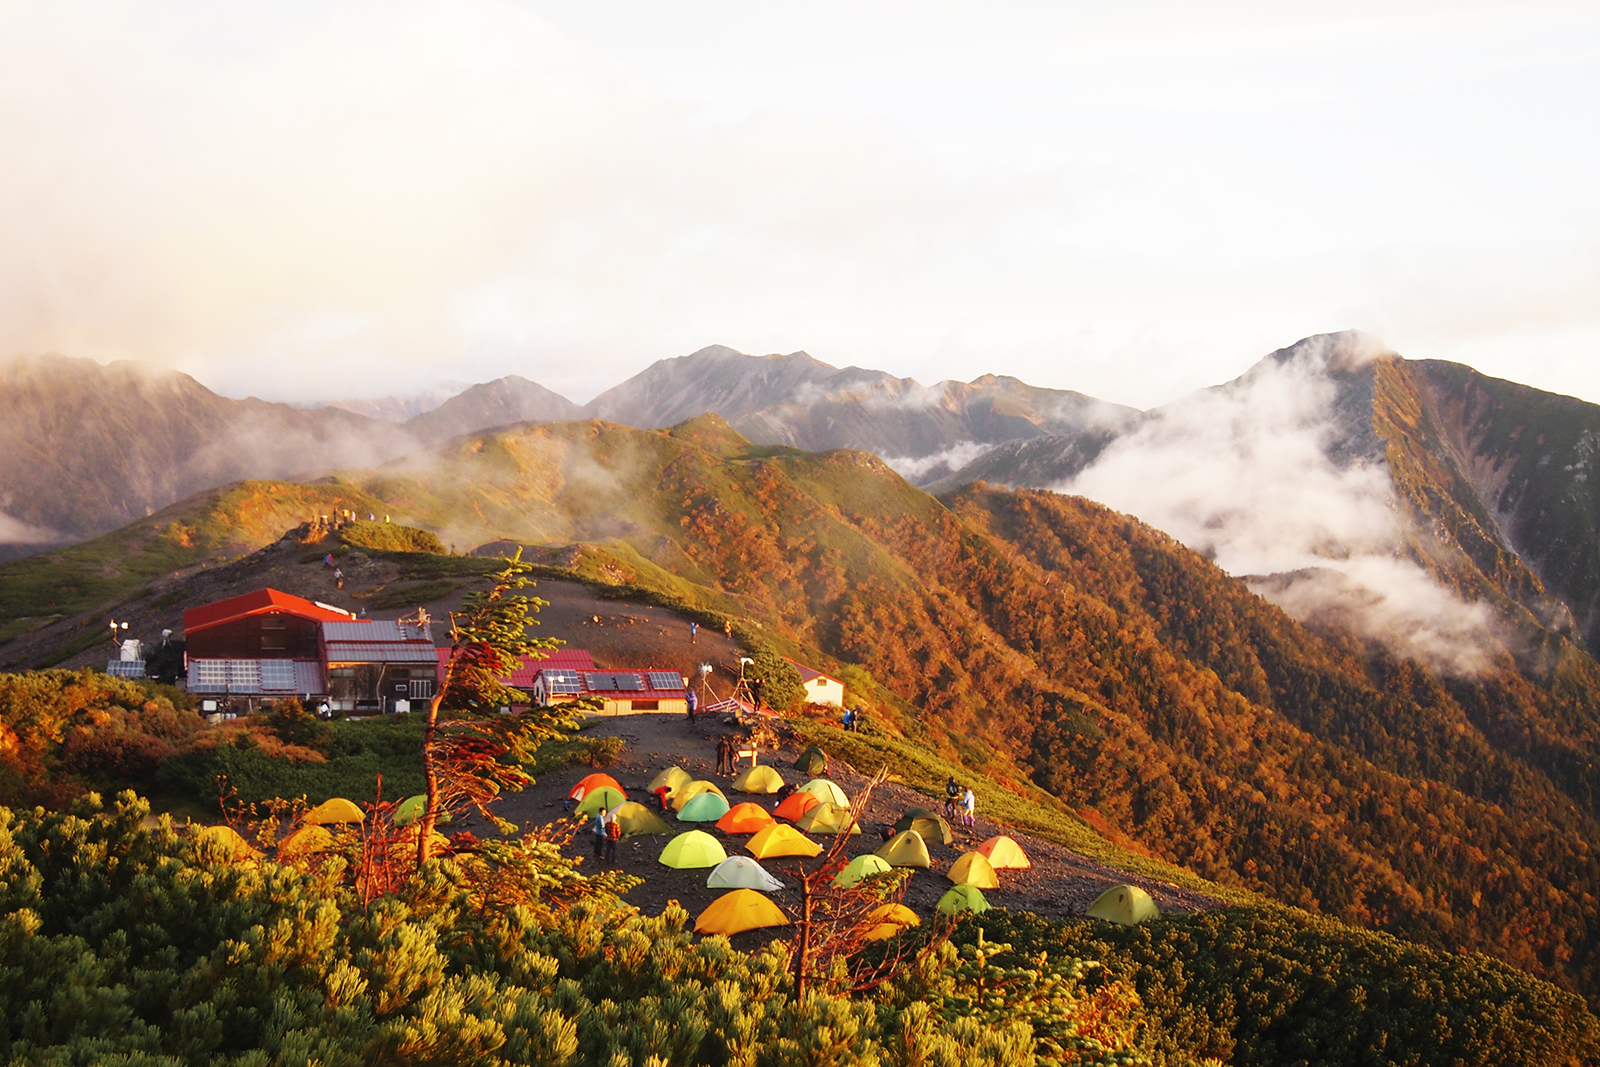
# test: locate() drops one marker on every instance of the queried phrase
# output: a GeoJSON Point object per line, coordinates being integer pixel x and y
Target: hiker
{"type": "Point", "coordinates": [327, 561]}
{"type": "Point", "coordinates": [969, 805]}
{"type": "Point", "coordinates": [613, 835]}
{"type": "Point", "coordinates": [952, 790]}
{"type": "Point", "coordinates": [856, 718]}
{"type": "Point", "coordinates": [599, 828]}
{"type": "Point", "coordinates": [661, 798]}
{"type": "Point", "coordinates": [727, 627]}
{"type": "Point", "coordinates": [724, 756]}
{"type": "Point", "coordinates": [694, 632]}
{"type": "Point", "coordinates": [693, 704]}
{"type": "Point", "coordinates": [848, 714]}
{"type": "Point", "coordinates": [338, 577]}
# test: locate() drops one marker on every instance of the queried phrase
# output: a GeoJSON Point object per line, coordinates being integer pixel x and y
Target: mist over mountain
{"type": "Point", "coordinates": [396, 408]}
{"type": "Point", "coordinates": [498, 403]}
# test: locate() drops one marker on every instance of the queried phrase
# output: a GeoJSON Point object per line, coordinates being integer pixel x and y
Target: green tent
{"type": "Point", "coordinates": [693, 849]}
{"type": "Point", "coordinates": [960, 898]}
{"type": "Point", "coordinates": [828, 818]}
{"type": "Point", "coordinates": [707, 807]}
{"type": "Point", "coordinates": [410, 810]}
{"type": "Point", "coordinates": [812, 761]}
{"type": "Point", "coordinates": [1125, 904]}
{"type": "Point", "coordinates": [759, 779]}
{"type": "Point", "coordinates": [906, 849]}
{"type": "Point", "coordinates": [859, 869]}
{"type": "Point", "coordinates": [604, 797]}
{"type": "Point", "coordinates": [636, 819]}
{"type": "Point", "coordinates": [932, 827]}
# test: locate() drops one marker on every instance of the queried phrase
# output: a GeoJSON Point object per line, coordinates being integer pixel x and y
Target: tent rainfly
{"type": "Point", "coordinates": [592, 781]}
{"type": "Point", "coordinates": [672, 778]}
{"type": "Point", "coordinates": [795, 805]}
{"type": "Point", "coordinates": [960, 898]}
{"type": "Point", "coordinates": [704, 807]}
{"type": "Point", "coordinates": [823, 789]}
{"type": "Point", "coordinates": [973, 869]}
{"type": "Point", "coordinates": [226, 840]}
{"type": "Point", "coordinates": [410, 810]}
{"type": "Point", "coordinates": [685, 793]}
{"type": "Point", "coordinates": [738, 911]}
{"type": "Point", "coordinates": [746, 818]}
{"type": "Point", "coordinates": [779, 840]}
{"type": "Point", "coordinates": [931, 826]}
{"type": "Point", "coordinates": [336, 810]}
{"type": "Point", "coordinates": [603, 797]}
{"type": "Point", "coordinates": [1125, 904]}
{"type": "Point", "coordinates": [892, 918]}
{"type": "Point", "coordinates": [859, 869]}
{"type": "Point", "coordinates": [760, 779]}
{"type": "Point", "coordinates": [695, 848]}
{"type": "Point", "coordinates": [306, 841]}
{"type": "Point", "coordinates": [1004, 854]}
{"type": "Point", "coordinates": [906, 849]}
{"type": "Point", "coordinates": [636, 819]}
{"type": "Point", "coordinates": [828, 818]}
{"type": "Point", "coordinates": [812, 761]}
{"type": "Point", "coordinates": [742, 872]}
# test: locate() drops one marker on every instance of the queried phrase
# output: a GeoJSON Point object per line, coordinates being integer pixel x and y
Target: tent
{"type": "Point", "coordinates": [336, 810]}
{"type": "Point", "coordinates": [1004, 854]}
{"type": "Point", "coordinates": [812, 761]}
{"type": "Point", "coordinates": [304, 842]}
{"type": "Point", "coordinates": [738, 911]}
{"type": "Point", "coordinates": [742, 872]}
{"type": "Point", "coordinates": [823, 789]}
{"type": "Point", "coordinates": [693, 849]}
{"type": "Point", "coordinates": [410, 810]}
{"type": "Point", "coordinates": [932, 827]}
{"type": "Point", "coordinates": [972, 869]}
{"type": "Point", "coordinates": [704, 807]}
{"type": "Point", "coordinates": [859, 869]}
{"type": "Point", "coordinates": [960, 898]}
{"type": "Point", "coordinates": [906, 849]}
{"type": "Point", "coordinates": [746, 818]}
{"type": "Point", "coordinates": [226, 840]}
{"type": "Point", "coordinates": [795, 805]}
{"type": "Point", "coordinates": [828, 818]}
{"type": "Point", "coordinates": [687, 792]}
{"type": "Point", "coordinates": [603, 797]}
{"type": "Point", "coordinates": [779, 840]}
{"type": "Point", "coordinates": [1125, 904]}
{"type": "Point", "coordinates": [637, 819]}
{"type": "Point", "coordinates": [672, 778]}
{"type": "Point", "coordinates": [892, 918]}
{"type": "Point", "coordinates": [590, 782]}
{"type": "Point", "coordinates": [762, 779]}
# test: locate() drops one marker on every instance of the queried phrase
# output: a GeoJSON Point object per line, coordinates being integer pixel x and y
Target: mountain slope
{"type": "Point", "coordinates": [498, 403]}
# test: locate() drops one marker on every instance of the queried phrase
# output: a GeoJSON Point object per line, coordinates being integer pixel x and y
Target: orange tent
{"type": "Point", "coordinates": [1004, 854]}
{"type": "Point", "coordinates": [779, 840]}
{"type": "Point", "coordinates": [738, 911]}
{"type": "Point", "coordinates": [594, 781]}
{"type": "Point", "coordinates": [746, 818]}
{"type": "Point", "coordinates": [795, 805]}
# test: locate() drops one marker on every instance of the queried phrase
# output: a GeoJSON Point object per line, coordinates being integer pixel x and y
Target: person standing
{"type": "Point", "coordinates": [598, 829]}
{"type": "Point", "coordinates": [613, 837]}
{"type": "Point", "coordinates": [969, 806]}
{"type": "Point", "coordinates": [694, 632]}
{"type": "Point", "coordinates": [693, 704]}
{"type": "Point", "coordinates": [952, 791]}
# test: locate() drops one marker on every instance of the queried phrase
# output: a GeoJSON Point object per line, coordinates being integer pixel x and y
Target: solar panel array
{"type": "Point", "coordinates": [665, 680]}
{"type": "Point", "coordinates": [277, 676]}
{"type": "Point", "coordinates": [125, 668]}
{"type": "Point", "coordinates": [628, 681]}
{"type": "Point", "coordinates": [566, 683]}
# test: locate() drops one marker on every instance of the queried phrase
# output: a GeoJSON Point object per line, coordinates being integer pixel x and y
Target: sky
{"type": "Point", "coordinates": [309, 200]}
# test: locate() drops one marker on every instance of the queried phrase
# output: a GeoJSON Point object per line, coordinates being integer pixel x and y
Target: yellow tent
{"type": "Point", "coordinates": [336, 810]}
{"type": "Point", "coordinates": [860, 868]}
{"type": "Point", "coordinates": [304, 842]}
{"type": "Point", "coordinates": [637, 819]}
{"type": "Point", "coordinates": [672, 778]}
{"type": "Point", "coordinates": [973, 869]}
{"type": "Point", "coordinates": [738, 911]}
{"type": "Point", "coordinates": [762, 779]}
{"type": "Point", "coordinates": [693, 849]}
{"type": "Point", "coordinates": [226, 840]}
{"type": "Point", "coordinates": [1125, 904]}
{"type": "Point", "coordinates": [892, 918]}
{"type": "Point", "coordinates": [823, 789]}
{"type": "Point", "coordinates": [906, 849]}
{"type": "Point", "coordinates": [828, 818]}
{"type": "Point", "coordinates": [602, 797]}
{"type": "Point", "coordinates": [1004, 854]}
{"type": "Point", "coordinates": [780, 840]}
{"type": "Point", "coordinates": [687, 792]}
{"type": "Point", "coordinates": [959, 898]}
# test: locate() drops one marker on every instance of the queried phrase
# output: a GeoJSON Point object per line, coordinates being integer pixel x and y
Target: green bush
{"type": "Point", "coordinates": [390, 537]}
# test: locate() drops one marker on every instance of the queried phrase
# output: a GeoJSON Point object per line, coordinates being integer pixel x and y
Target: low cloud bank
{"type": "Point", "coordinates": [1241, 473]}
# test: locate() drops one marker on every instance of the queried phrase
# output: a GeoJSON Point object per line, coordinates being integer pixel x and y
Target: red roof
{"type": "Point", "coordinates": [259, 602]}
{"type": "Point", "coordinates": [572, 659]}
{"type": "Point", "coordinates": [807, 674]}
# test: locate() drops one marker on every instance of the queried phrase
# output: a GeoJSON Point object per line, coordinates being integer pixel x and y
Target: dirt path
{"type": "Point", "coordinates": [1060, 883]}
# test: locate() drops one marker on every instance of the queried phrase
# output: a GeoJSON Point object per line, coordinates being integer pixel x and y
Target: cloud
{"type": "Point", "coordinates": [921, 469]}
{"type": "Point", "coordinates": [1242, 474]}
{"type": "Point", "coordinates": [16, 532]}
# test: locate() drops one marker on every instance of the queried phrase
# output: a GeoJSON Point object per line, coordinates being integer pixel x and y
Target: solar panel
{"type": "Point", "coordinates": [629, 681]}
{"type": "Point", "coordinates": [563, 682]}
{"type": "Point", "coordinates": [277, 675]}
{"type": "Point", "coordinates": [125, 668]}
{"type": "Point", "coordinates": [665, 680]}
{"type": "Point", "coordinates": [599, 681]}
